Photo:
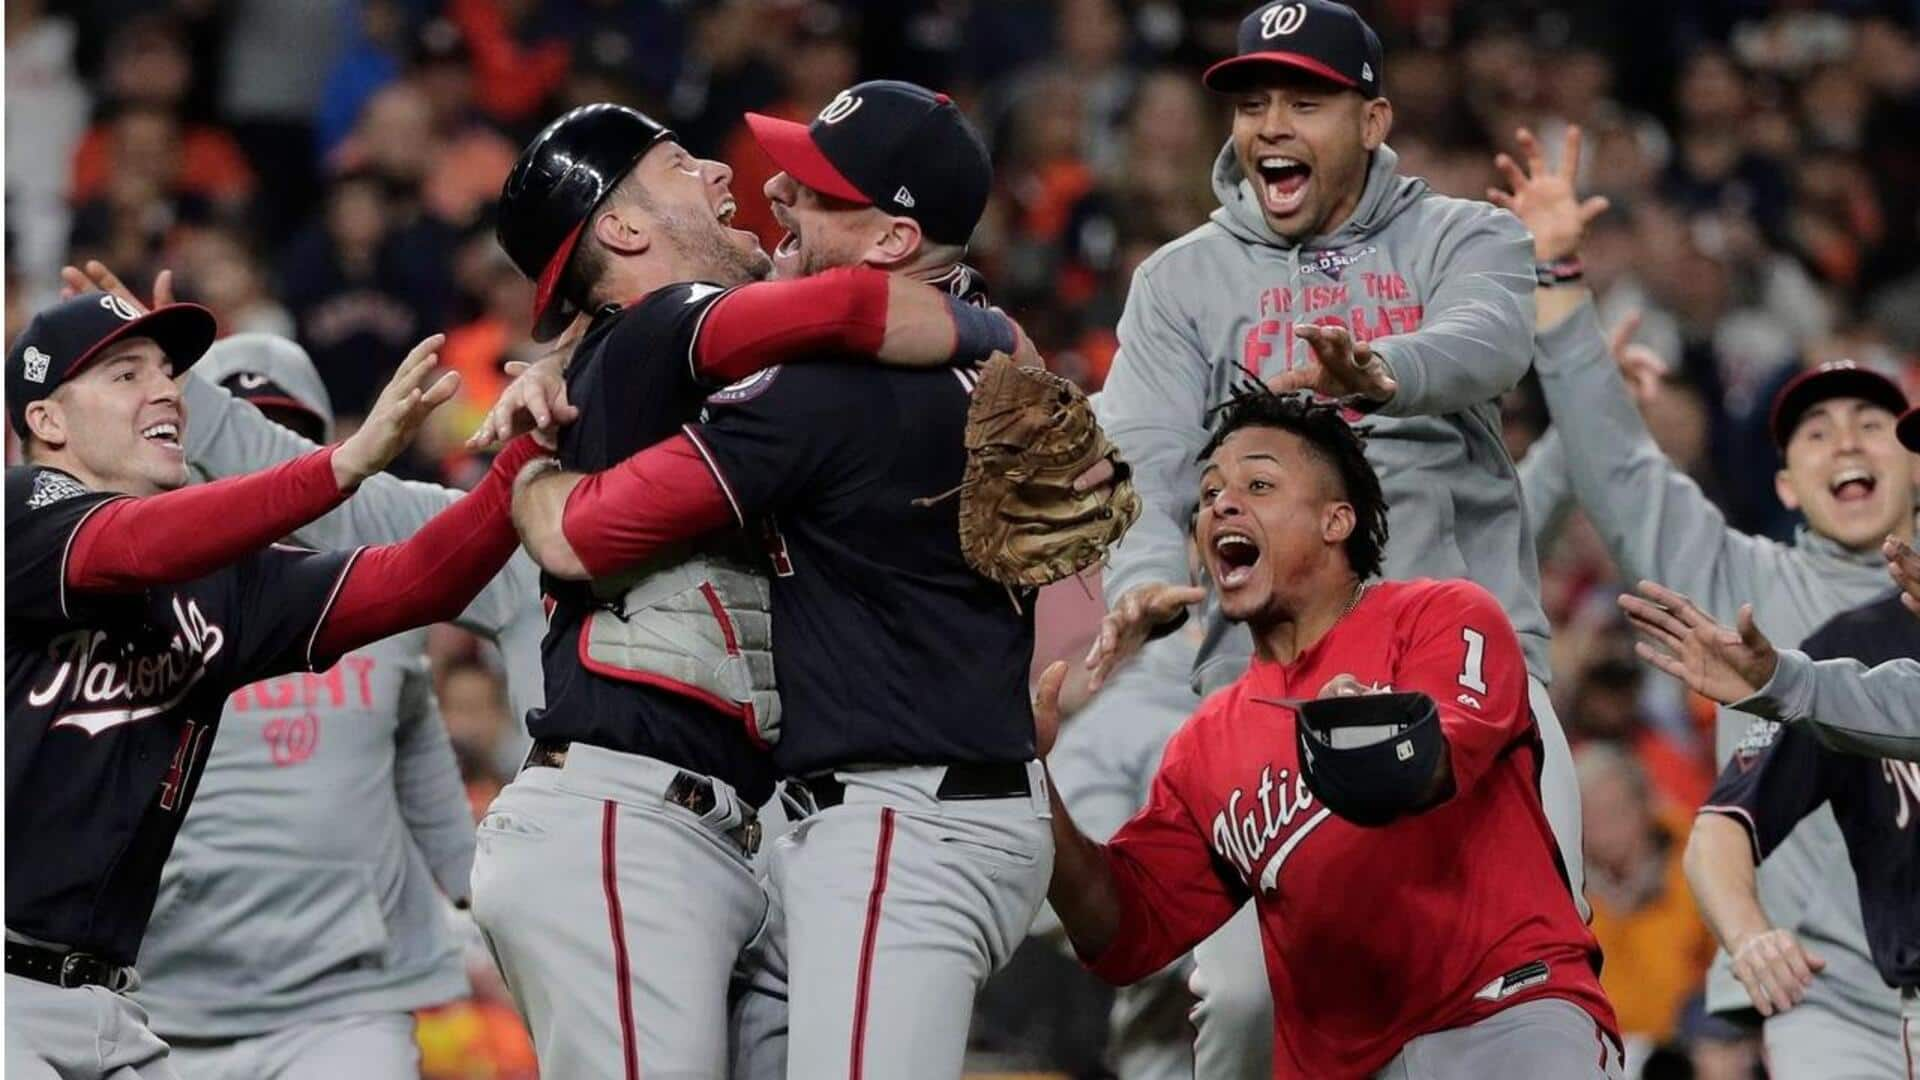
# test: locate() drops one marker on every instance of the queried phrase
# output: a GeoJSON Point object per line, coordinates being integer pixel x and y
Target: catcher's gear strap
{"type": "Point", "coordinates": [702, 628]}
{"type": "Point", "coordinates": [1372, 758]}
{"type": "Point", "coordinates": [1030, 434]}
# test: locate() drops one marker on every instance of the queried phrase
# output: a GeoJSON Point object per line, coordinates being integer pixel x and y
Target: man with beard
{"type": "Point", "coordinates": [1325, 269]}
{"type": "Point", "coordinates": [922, 851]}
{"type": "Point", "coordinates": [613, 878]}
{"type": "Point", "coordinates": [1414, 921]}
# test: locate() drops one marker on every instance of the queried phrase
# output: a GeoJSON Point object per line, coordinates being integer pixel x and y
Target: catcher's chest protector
{"type": "Point", "coordinates": [702, 627]}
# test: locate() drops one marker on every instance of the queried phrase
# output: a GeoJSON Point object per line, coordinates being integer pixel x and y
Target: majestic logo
{"type": "Point", "coordinates": [699, 291]}
{"type": "Point", "coordinates": [1245, 828]}
{"type": "Point", "coordinates": [841, 107]}
{"type": "Point", "coordinates": [37, 363]}
{"type": "Point", "coordinates": [1334, 263]}
{"type": "Point", "coordinates": [127, 312]}
{"type": "Point", "coordinates": [108, 684]}
{"type": "Point", "coordinates": [50, 487]}
{"type": "Point", "coordinates": [903, 197]}
{"type": "Point", "coordinates": [1281, 20]}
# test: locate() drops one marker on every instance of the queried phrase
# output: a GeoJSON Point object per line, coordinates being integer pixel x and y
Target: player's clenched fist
{"type": "Point", "coordinates": [406, 402]}
{"type": "Point", "coordinates": [1132, 621]}
{"type": "Point", "coordinates": [1775, 968]}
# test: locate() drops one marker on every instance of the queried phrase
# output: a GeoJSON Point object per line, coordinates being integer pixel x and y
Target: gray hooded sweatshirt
{"type": "Point", "coordinates": [1658, 524]}
{"type": "Point", "coordinates": [306, 882]}
{"type": "Point", "coordinates": [1443, 290]}
{"type": "Point", "coordinates": [1874, 711]}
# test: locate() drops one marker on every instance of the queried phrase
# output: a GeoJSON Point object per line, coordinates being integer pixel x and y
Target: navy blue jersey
{"type": "Point", "coordinates": [112, 701]}
{"type": "Point", "coordinates": [633, 379]}
{"type": "Point", "coordinates": [888, 647]}
{"type": "Point", "coordinates": [1781, 774]}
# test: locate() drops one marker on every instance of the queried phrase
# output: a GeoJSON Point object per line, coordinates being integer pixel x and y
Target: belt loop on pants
{"type": "Point", "coordinates": [716, 804]}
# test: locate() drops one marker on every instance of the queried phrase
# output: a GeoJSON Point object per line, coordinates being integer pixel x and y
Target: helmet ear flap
{"type": "Point", "coordinates": [553, 188]}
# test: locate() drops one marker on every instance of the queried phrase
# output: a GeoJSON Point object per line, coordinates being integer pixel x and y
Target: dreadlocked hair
{"type": "Point", "coordinates": [1328, 436]}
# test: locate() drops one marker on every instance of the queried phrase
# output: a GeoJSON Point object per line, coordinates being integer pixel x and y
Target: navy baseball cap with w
{"type": "Point", "coordinates": [1319, 37]}
{"type": "Point", "coordinates": [62, 341]}
{"type": "Point", "coordinates": [894, 145]}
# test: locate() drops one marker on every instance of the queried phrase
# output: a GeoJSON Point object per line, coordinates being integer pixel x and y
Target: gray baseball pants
{"type": "Point", "coordinates": [367, 1046]}
{"type": "Point", "coordinates": [617, 918]}
{"type": "Point", "coordinates": [1234, 1019]}
{"type": "Point", "coordinates": [1531, 1041]}
{"type": "Point", "coordinates": [895, 906]}
{"type": "Point", "coordinates": [79, 1033]}
{"type": "Point", "coordinates": [1822, 1039]}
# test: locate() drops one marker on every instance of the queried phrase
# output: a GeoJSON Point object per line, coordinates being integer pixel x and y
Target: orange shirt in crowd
{"type": "Point", "coordinates": [1656, 957]}
{"type": "Point", "coordinates": [211, 165]}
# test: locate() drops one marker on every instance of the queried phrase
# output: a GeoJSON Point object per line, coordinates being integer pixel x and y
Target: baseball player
{"type": "Point", "coordinates": [923, 850]}
{"type": "Point", "coordinates": [1844, 469]}
{"type": "Point", "coordinates": [1778, 775]}
{"type": "Point", "coordinates": [613, 878]}
{"type": "Point", "coordinates": [1398, 810]}
{"type": "Point", "coordinates": [329, 822]}
{"type": "Point", "coordinates": [135, 609]}
{"type": "Point", "coordinates": [1325, 269]}
{"type": "Point", "coordinates": [231, 436]}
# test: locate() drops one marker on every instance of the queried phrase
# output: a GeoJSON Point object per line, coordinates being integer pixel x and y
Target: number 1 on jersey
{"type": "Point", "coordinates": [1470, 674]}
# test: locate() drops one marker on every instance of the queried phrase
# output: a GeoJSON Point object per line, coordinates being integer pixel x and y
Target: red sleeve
{"type": "Point", "coordinates": [758, 326]}
{"type": "Point", "coordinates": [1462, 652]}
{"type": "Point", "coordinates": [665, 494]}
{"type": "Point", "coordinates": [1173, 892]}
{"type": "Point", "coordinates": [433, 575]}
{"type": "Point", "coordinates": [133, 544]}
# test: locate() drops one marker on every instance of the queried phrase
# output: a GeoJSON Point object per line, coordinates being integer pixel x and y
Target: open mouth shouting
{"type": "Point", "coordinates": [1283, 183]}
{"type": "Point", "coordinates": [1233, 555]}
{"type": "Point", "coordinates": [1852, 485]}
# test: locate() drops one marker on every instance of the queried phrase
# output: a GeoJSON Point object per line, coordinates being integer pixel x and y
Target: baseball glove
{"type": "Point", "coordinates": [1029, 434]}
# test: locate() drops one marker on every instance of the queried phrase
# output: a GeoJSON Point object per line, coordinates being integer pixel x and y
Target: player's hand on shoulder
{"type": "Point", "coordinates": [397, 414]}
{"type": "Point", "coordinates": [1543, 196]}
{"type": "Point", "coordinates": [536, 400]}
{"type": "Point", "coordinates": [1775, 968]}
{"type": "Point", "coordinates": [1132, 621]}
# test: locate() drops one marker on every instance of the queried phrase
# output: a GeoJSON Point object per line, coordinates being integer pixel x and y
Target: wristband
{"type": "Point", "coordinates": [1564, 271]}
{"type": "Point", "coordinates": [979, 332]}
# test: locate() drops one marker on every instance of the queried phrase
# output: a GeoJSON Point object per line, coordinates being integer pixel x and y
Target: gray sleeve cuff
{"type": "Point", "coordinates": [1786, 697]}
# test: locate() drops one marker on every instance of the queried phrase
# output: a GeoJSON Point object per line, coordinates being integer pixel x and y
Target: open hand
{"type": "Point", "coordinates": [397, 414]}
{"type": "Point", "coordinates": [1543, 197]}
{"type": "Point", "coordinates": [1341, 368]}
{"type": "Point", "coordinates": [1132, 621]}
{"type": "Point", "coordinates": [74, 281]}
{"type": "Point", "coordinates": [1903, 565]}
{"type": "Point", "coordinates": [1683, 641]}
{"type": "Point", "coordinates": [536, 400]}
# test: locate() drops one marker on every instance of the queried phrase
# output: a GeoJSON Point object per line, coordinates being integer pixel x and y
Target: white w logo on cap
{"type": "Point", "coordinates": [119, 307]}
{"type": "Point", "coordinates": [839, 108]}
{"type": "Point", "coordinates": [1282, 19]}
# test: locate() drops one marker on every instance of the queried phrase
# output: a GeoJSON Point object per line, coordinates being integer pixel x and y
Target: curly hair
{"type": "Point", "coordinates": [1338, 444]}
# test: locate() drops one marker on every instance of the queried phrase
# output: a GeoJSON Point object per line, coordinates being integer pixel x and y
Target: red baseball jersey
{"type": "Point", "coordinates": [1372, 936]}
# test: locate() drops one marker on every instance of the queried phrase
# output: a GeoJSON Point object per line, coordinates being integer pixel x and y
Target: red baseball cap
{"type": "Point", "coordinates": [1835, 378]}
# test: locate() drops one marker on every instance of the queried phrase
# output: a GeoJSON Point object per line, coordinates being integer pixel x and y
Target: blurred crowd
{"type": "Point", "coordinates": [326, 171]}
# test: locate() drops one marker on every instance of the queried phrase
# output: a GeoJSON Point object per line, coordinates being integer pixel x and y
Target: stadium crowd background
{"type": "Point", "coordinates": [324, 169]}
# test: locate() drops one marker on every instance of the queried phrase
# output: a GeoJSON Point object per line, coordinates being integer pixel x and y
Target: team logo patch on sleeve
{"type": "Point", "coordinates": [51, 487]}
{"type": "Point", "coordinates": [746, 389]}
{"type": "Point", "coordinates": [1757, 741]}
